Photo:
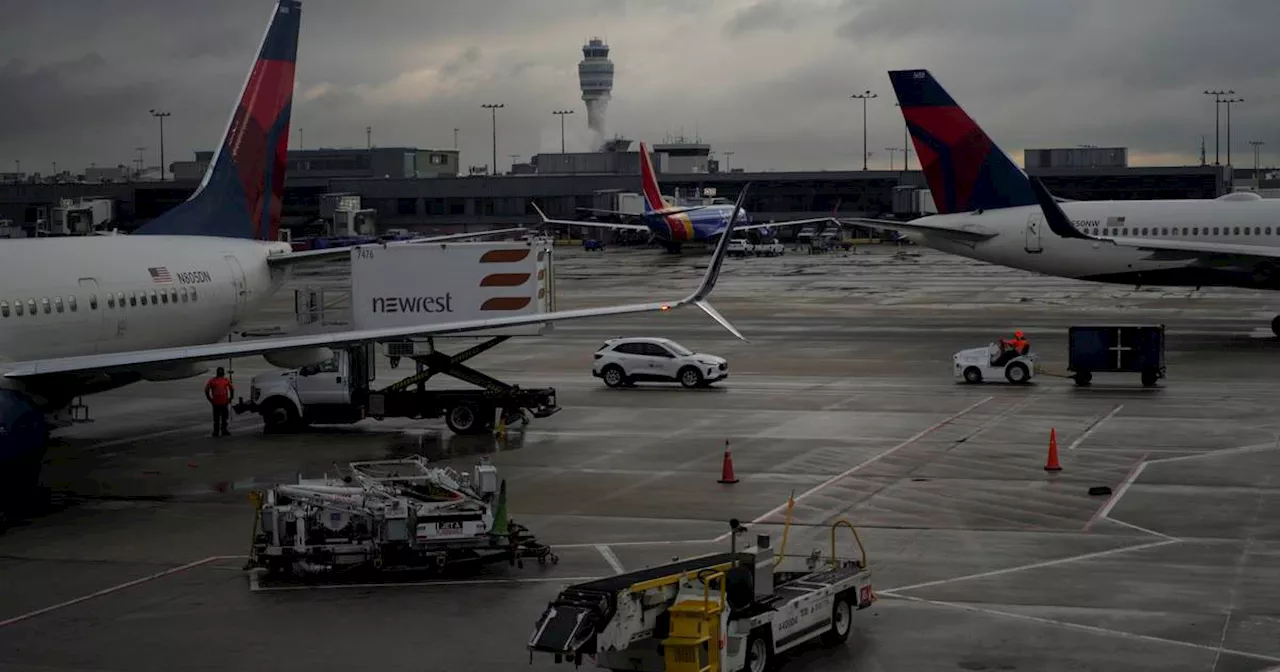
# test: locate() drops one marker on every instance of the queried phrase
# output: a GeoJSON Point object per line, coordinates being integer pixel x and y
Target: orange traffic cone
{"type": "Point", "coordinates": [1052, 463]}
{"type": "Point", "coordinates": [726, 470]}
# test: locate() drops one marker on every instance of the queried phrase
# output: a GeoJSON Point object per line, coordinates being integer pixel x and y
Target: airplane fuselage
{"type": "Point", "coordinates": [1023, 240]}
{"type": "Point", "coordinates": [64, 297]}
{"type": "Point", "coordinates": [694, 226]}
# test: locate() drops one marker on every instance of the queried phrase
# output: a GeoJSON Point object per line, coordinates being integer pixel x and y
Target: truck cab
{"type": "Point", "coordinates": [320, 393]}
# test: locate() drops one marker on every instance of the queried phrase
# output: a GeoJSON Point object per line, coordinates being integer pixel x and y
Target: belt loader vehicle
{"type": "Point", "coordinates": [388, 515]}
{"type": "Point", "coordinates": [711, 613]}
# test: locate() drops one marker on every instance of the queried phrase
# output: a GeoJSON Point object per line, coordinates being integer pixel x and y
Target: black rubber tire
{"type": "Point", "coordinates": [1149, 378]}
{"type": "Point", "coordinates": [1275, 325]}
{"type": "Point", "coordinates": [690, 381]}
{"type": "Point", "coordinates": [973, 375]}
{"type": "Point", "coordinates": [279, 416]}
{"type": "Point", "coordinates": [841, 622]}
{"type": "Point", "coordinates": [759, 646]}
{"type": "Point", "coordinates": [613, 369]}
{"type": "Point", "coordinates": [464, 419]}
{"type": "Point", "coordinates": [1016, 378]}
{"type": "Point", "coordinates": [1083, 378]}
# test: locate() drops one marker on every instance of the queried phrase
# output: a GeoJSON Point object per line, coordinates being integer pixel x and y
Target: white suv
{"type": "Point", "coordinates": [626, 361]}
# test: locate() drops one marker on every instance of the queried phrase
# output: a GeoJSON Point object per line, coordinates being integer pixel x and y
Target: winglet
{"type": "Point", "coordinates": [699, 296]}
{"type": "Point", "coordinates": [538, 210]}
{"type": "Point", "coordinates": [1058, 221]}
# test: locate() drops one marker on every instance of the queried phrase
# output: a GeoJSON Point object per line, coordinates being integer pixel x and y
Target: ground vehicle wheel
{"type": "Point", "coordinates": [1275, 325]}
{"type": "Point", "coordinates": [1149, 378]}
{"type": "Point", "coordinates": [464, 419]}
{"type": "Point", "coordinates": [759, 652]}
{"type": "Point", "coordinates": [690, 377]}
{"type": "Point", "coordinates": [613, 376]}
{"type": "Point", "coordinates": [1017, 373]}
{"type": "Point", "coordinates": [279, 416]}
{"type": "Point", "coordinates": [841, 622]}
{"type": "Point", "coordinates": [1083, 378]}
{"type": "Point", "coordinates": [972, 375]}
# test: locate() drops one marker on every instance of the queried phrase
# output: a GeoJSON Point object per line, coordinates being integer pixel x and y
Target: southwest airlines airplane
{"type": "Point", "coordinates": [80, 315]}
{"type": "Point", "coordinates": [990, 210]}
{"type": "Point", "coordinates": [674, 225]}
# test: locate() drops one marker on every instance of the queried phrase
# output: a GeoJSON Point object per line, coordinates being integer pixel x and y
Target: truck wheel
{"type": "Point", "coordinates": [1149, 378]}
{"type": "Point", "coordinates": [690, 377]}
{"type": "Point", "coordinates": [463, 419]}
{"type": "Point", "coordinates": [279, 417]}
{"type": "Point", "coordinates": [1017, 373]}
{"type": "Point", "coordinates": [759, 652]}
{"type": "Point", "coordinates": [841, 622]}
{"type": "Point", "coordinates": [1083, 378]}
{"type": "Point", "coordinates": [972, 375]}
{"type": "Point", "coordinates": [613, 376]}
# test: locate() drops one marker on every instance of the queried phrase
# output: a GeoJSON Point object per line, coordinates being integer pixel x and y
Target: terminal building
{"type": "Point", "coordinates": [422, 190]}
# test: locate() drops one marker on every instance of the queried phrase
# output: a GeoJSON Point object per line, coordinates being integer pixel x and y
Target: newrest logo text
{"type": "Point", "coordinates": [413, 304]}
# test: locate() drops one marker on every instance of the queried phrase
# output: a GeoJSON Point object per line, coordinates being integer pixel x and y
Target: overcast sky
{"type": "Point", "coordinates": [766, 79]}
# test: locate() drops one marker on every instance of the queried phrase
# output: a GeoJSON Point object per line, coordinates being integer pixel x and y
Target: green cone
{"type": "Point", "coordinates": [500, 516]}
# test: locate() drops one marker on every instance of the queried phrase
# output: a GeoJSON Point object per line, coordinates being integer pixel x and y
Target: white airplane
{"type": "Point", "coordinates": [81, 315]}
{"type": "Point", "coordinates": [674, 225]}
{"type": "Point", "coordinates": [990, 210]}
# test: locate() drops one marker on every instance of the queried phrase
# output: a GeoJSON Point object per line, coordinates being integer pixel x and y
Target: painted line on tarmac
{"type": "Point", "coordinates": [428, 584]}
{"type": "Point", "coordinates": [611, 558]}
{"type": "Point", "coordinates": [1096, 424]}
{"type": "Point", "coordinates": [1085, 628]}
{"type": "Point", "coordinates": [854, 469]}
{"type": "Point", "coordinates": [204, 426]}
{"type": "Point", "coordinates": [116, 588]}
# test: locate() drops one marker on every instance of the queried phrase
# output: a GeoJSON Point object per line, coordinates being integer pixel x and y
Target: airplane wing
{"type": "Point", "coordinates": [659, 213]}
{"type": "Point", "coordinates": [1061, 225]}
{"type": "Point", "coordinates": [599, 225]}
{"type": "Point", "coordinates": [313, 255]}
{"type": "Point", "coordinates": [963, 232]}
{"type": "Point", "coordinates": [125, 361]}
{"type": "Point", "coordinates": [791, 222]}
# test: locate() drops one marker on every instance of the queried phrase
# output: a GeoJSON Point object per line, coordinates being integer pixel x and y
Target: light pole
{"type": "Point", "coordinates": [455, 138]}
{"type": "Point", "coordinates": [493, 110]}
{"type": "Point", "coordinates": [368, 137]}
{"type": "Point", "coordinates": [1227, 102]}
{"type": "Point", "coordinates": [161, 116]}
{"type": "Point", "coordinates": [893, 151]}
{"type": "Point", "coordinates": [1217, 100]}
{"type": "Point", "coordinates": [1257, 157]}
{"type": "Point", "coordinates": [561, 114]}
{"type": "Point", "coordinates": [906, 142]}
{"type": "Point", "coordinates": [865, 96]}
{"type": "Point", "coordinates": [726, 160]}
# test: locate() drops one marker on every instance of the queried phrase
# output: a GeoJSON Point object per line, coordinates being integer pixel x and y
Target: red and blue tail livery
{"type": "Point", "coordinates": [965, 170]}
{"type": "Point", "coordinates": [243, 188]}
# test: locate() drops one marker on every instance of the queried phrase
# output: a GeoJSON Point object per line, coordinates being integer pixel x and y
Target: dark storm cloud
{"type": "Point", "coordinates": [767, 79]}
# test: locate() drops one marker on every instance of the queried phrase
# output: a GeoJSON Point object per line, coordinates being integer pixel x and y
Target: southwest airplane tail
{"type": "Point", "coordinates": [965, 170]}
{"type": "Point", "coordinates": [243, 187]}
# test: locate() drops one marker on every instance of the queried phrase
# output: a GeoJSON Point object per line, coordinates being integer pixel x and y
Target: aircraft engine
{"type": "Point", "coordinates": [296, 359]}
{"type": "Point", "coordinates": [23, 437]}
{"type": "Point", "coordinates": [173, 371]}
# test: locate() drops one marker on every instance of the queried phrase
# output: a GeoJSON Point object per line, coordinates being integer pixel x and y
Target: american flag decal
{"type": "Point", "coordinates": [160, 274]}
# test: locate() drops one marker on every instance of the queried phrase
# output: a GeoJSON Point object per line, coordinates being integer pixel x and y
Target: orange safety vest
{"type": "Point", "coordinates": [220, 391]}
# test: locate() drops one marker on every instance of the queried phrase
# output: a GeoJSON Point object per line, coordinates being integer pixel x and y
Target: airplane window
{"type": "Point", "coordinates": [17, 308]}
{"type": "Point", "coordinates": [1268, 231]}
{"type": "Point", "coordinates": [48, 308]}
{"type": "Point", "coordinates": [154, 300]}
{"type": "Point", "coordinates": [31, 306]}
{"type": "Point", "coordinates": [1164, 232]}
{"type": "Point", "coordinates": [1215, 230]}
{"type": "Point", "coordinates": [164, 297]}
{"type": "Point", "coordinates": [4, 309]}
{"type": "Point", "coordinates": [184, 295]}
{"type": "Point", "coordinates": [173, 294]}
{"type": "Point", "coordinates": [93, 302]}
{"type": "Point", "coordinates": [1144, 230]}
{"type": "Point", "coordinates": [120, 298]}
{"type": "Point", "coordinates": [193, 293]}
{"type": "Point", "coordinates": [111, 300]}
{"type": "Point", "coordinates": [133, 298]}
{"type": "Point", "coordinates": [71, 301]}
{"type": "Point", "coordinates": [142, 298]}
{"type": "Point", "coordinates": [1237, 231]}
{"type": "Point", "coordinates": [57, 302]}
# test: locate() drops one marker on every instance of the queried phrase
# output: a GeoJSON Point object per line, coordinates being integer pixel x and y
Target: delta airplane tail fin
{"type": "Point", "coordinates": [243, 188]}
{"type": "Point", "coordinates": [965, 170]}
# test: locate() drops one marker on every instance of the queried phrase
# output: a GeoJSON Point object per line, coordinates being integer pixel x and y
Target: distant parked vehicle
{"type": "Point", "coordinates": [591, 244]}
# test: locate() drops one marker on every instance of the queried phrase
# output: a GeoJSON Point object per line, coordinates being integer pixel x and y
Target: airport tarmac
{"type": "Point", "coordinates": [843, 396]}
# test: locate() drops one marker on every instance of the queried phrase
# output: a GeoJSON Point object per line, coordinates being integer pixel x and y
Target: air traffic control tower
{"type": "Point", "coordinates": [595, 78]}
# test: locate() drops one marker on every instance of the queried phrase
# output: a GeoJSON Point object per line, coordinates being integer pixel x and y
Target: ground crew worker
{"type": "Point", "coordinates": [218, 391]}
{"type": "Point", "coordinates": [1012, 347]}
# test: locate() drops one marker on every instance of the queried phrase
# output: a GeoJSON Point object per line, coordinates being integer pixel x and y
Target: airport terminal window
{"type": "Point", "coordinates": [57, 302]}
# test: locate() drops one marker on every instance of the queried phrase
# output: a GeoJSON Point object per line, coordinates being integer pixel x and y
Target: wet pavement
{"type": "Point", "coordinates": [843, 397]}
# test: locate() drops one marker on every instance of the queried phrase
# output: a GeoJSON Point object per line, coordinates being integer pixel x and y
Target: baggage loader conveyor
{"type": "Point", "coordinates": [720, 611]}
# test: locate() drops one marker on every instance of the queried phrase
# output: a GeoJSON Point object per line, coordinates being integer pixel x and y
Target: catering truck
{"type": "Point", "coordinates": [422, 284]}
